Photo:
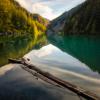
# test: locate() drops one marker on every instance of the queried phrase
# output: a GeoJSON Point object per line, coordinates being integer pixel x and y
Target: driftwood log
{"type": "Point", "coordinates": [76, 89]}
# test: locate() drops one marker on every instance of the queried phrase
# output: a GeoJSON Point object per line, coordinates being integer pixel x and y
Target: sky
{"type": "Point", "coordinates": [49, 9]}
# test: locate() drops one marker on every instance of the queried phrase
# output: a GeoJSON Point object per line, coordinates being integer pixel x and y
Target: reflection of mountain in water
{"type": "Point", "coordinates": [53, 57]}
{"type": "Point", "coordinates": [86, 49]}
{"type": "Point", "coordinates": [19, 84]}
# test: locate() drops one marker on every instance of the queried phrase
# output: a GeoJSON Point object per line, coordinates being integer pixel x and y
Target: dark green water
{"type": "Point", "coordinates": [17, 47]}
{"type": "Point", "coordinates": [86, 49]}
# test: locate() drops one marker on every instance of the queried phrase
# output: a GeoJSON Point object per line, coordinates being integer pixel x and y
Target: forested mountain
{"type": "Point", "coordinates": [40, 19]}
{"type": "Point", "coordinates": [85, 20]}
{"type": "Point", "coordinates": [16, 21]}
{"type": "Point", "coordinates": [81, 20]}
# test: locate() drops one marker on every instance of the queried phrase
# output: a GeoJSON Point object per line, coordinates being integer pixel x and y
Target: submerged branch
{"type": "Point", "coordinates": [47, 76]}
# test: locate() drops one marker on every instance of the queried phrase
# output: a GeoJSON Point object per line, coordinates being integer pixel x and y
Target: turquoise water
{"type": "Point", "coordinates": [86, 49]}
{"type": "Point", "coordinates": [53, 60]}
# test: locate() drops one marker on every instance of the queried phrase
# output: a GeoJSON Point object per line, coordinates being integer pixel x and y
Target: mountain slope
{"type": "Point", "coordinates": [16, 21]}
{"type": "Point", "coordinates": [40, 19]}
{"type": "Point", "coordinates": [86, 20]}
{"type": "Point", "coordinates": [81, 20]}
{"type": "Point", "coordinates": [58, 24]}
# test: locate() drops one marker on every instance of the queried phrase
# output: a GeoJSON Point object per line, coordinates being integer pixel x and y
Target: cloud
{"type": "Point", "coordinates": [24, 3]}
{"type": "Point", "coordinates": [43, 10]}
{"type": "Point", "coordinates": [49, 9]}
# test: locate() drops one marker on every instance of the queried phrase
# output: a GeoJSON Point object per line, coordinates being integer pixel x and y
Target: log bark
{"type": "Point", "coordinates": [76, 89]}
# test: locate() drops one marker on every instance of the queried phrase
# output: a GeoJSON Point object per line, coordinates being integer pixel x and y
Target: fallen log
{"type": "Point", "coordinates": [37, 75]}
{"type": "Point", "coordinates": [79, 91]}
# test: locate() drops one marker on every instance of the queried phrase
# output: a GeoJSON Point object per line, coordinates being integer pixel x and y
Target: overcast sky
{"type": "Point", "coordinates": [49, 9]}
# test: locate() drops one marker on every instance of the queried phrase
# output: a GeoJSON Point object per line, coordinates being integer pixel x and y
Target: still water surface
{"type": "Point", "coordinates": [53, 60]}
{"type": "Point", "coordinates": [86, 49]}
{"type": "Point", "coordinates": [18, 47]}
{"type": "Point", "coordinates": [77, 61]}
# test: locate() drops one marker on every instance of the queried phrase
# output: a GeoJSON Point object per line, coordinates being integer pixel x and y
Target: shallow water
{"type": "Point", "coordinates": [18, 84]}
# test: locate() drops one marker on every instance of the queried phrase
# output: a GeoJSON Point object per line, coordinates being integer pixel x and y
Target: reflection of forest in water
{"type": "Point", "coordinates": [18, 47]}
{"type": "Point", "coordinates": [86, 49]}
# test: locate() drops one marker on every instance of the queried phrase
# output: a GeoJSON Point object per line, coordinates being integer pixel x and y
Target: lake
{"type": "Point", "coordinates": [51, 59]}
{"type": "Point", "coordinates": [68, 58]}
{"type": "Point", "coordinates": [85, 48]}
{"type": "Point", "coordinates": [18, 47]}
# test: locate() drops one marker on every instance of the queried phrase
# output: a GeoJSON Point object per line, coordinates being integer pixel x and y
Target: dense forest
{"type": "Point", "coordinates": [86, 20]}
{"type": "Point", "coordinates": [16, 21]}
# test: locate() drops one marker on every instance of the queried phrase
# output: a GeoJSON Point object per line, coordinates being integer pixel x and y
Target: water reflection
{"type": "Point", "coordinates": [86, 49]}
{"type": "Point", "coordinates": [52, 57]}
{"type": "Point", "coordinates": [53, 60]}
{"type": "Point", "coordinates": [16, 48]}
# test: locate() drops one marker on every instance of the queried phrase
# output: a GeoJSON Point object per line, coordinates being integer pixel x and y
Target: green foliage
{"type": "Point", "coordinates": [85, 21]}
{"type": "Point", "coordinates": [16, 21]}
{"type": "Point", "coordinates": [40, 19]}
{"type": "Point", "coordinates": [17, 47]}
